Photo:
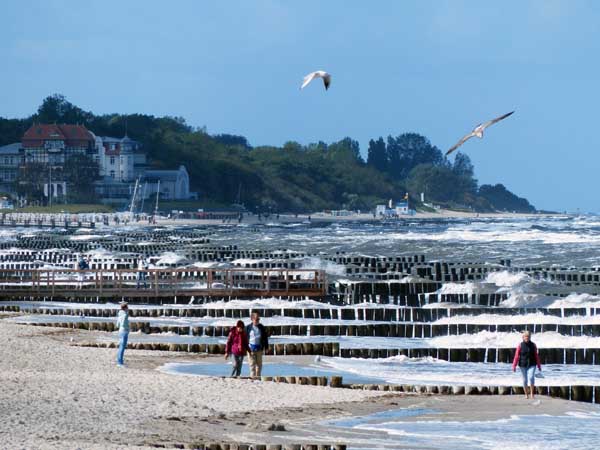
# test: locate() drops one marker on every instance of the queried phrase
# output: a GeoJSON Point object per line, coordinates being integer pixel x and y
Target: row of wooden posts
{"type": "Point", "coordinates": [307, 348]}
{"type": "Point", "coordinates": [242, 446]}
{"type": "Point", "coordinates": [388, 313]}
{"type": "Point", "coordinates": [399, 330]}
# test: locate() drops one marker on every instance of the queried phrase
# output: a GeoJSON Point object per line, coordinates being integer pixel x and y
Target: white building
{"type": "Point", "coordinates": [381, 210]}
{"type": "Point", "coordinates": [119, 160]}
{"type": "Point", "coordinates": [174, 184]}
{"type": "Point", "coordinates": [401, 208]}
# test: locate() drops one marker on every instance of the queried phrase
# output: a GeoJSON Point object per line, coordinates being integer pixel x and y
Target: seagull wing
{"type": "Point", "coordinates": [307, 79]}
{"type": "Point", "coordinates": [497, 119]}
{"type": "Point", "coordinates": [327, 80]}
{"type": "Point", "coordinates": [461, 142]}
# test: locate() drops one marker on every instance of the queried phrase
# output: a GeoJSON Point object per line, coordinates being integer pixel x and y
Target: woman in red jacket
{"type": "Point", "coordinates": [237, 345]}
{"type": "Point", "coordinates": [527, 358]}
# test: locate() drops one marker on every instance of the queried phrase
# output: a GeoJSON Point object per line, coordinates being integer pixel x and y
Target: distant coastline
{"type": "Point", "coordinates": [286, 219]}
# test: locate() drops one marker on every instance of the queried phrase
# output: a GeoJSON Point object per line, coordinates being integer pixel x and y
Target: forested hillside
{"type": "Point", "coordinates": [226, 168]}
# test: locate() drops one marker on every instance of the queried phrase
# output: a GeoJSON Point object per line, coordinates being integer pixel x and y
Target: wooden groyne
{"type": "Point", "coordinates": [390, 330]}
{"type": "Point", "coordinates": [312, 349]}
{"type": "Point", "coordinates": [388, 313]}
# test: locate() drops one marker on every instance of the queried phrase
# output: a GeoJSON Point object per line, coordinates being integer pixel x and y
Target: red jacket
{"type": "Point", "coordinates": [518, 355]}
{"type": "Point", "coordinates": [237, 342]}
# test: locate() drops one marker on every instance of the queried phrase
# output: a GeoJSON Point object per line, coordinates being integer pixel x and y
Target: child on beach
{"type": "Point", "coordinates": [123, 327]}
{"type": "Point", "coordinates": [527, 358]}
{"type": "Point", "coordinates": [237, 345]}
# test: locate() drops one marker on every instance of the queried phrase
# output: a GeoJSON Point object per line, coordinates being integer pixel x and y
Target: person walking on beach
{"type": "Point", "coordinates": [123, 327]}
{"type": "Point", "coordinates": [142, 275]}
{"type": "Point", "coordinates": [81, 265]}
{"type": "Point", "coordinates": [258, 341]}
{"type": "Point", "coordinates": [527, 358]}
{"type": "Point", "coordinates": [237, 345]}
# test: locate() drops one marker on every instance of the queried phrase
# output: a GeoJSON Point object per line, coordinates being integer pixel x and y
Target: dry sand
{"type": "Point", "coordinates": [58, 396]}
{"type": "Point", "coordinates": [55, 395]}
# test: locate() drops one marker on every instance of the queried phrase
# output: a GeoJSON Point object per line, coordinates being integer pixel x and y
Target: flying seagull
{"type": "Point", "coordinates": [478, 131]}
{"type": "Point", "coordinates": [318, 74]}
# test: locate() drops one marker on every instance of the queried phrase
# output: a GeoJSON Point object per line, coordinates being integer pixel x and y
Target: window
{"type": "Point", "coordinates": [112, 160]}
{"type": "Point", "coordinates": [112, 173]}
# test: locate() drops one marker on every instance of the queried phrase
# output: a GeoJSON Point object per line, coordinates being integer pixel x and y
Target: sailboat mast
{"type": "Point", "coordinates": [156, 207]}
{"type": "Point", "coordinates": [131, 206]}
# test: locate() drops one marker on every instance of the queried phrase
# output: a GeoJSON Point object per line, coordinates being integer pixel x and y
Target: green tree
{"type": "Point", "coordinates": [409, 150]}
{"type": "Point", "coordinates": [377, 156]}
{"type": "Point", "coordinates": [30, 181]}
{"type": "Point", "coordinates": [463, 166]}
{"type": "Point", "coordinates": [501, 199]}
{"type": "Point", "coordinates": [56, 109]}
{"type": "Point", "coordinates": [440, 184]}
{"type": "Point", "coordinates": [80, 172]}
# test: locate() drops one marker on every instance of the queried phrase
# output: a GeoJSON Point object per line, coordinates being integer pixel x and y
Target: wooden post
{"type": "Point", "coordinates": [156, 282]}
{"type": "Point", "coordinates": [173, 282]}
{"type": "Point", "coordinates": [119, 283]}
{"type": "Point", "coordinates": [268, 282]}
{"type": "Point", "coordinates": [287, 282]}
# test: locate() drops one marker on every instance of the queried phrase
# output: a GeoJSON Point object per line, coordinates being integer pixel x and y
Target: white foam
{"type": "Point", "coordinates": [171, 259]}
{"type": "Point", "coordinates": [487, 339]}
{"type": "Point", "coordinates": [520, 300]}
{"type": "Point", "coordinates": [503, 319]}
{"type": "Point", "coordinates": [505, 278]}
{"type": "Point", "coordinates": [431, 371]}
{"type": "Point", "coordinates": [459, 288]}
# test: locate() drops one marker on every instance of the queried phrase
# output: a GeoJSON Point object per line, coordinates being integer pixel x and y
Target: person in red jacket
{"type": "Point", "coordinates": [237, 345]}
{"type": "Point", "coordinates": [527, 358]}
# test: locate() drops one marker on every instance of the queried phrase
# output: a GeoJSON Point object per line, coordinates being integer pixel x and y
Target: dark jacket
{"type": "Point", "coordinates": [237, 343]}
{"type": "Point", "coordinates": [526, 356]}
{"type": "Point", "coordinates": [264, 338]}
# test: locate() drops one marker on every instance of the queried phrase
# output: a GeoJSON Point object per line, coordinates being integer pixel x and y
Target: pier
{"type": "Point", "coordinates": [159, 283]}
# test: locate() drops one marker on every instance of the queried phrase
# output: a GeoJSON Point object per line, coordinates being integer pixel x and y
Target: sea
{"type": "Point", "coordinates": [536, 241]}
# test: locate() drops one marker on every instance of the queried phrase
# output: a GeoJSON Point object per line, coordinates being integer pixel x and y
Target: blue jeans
{"type": "Point", "coordinates": [236, 371]}
{"type": "Point", "coordinates": [528, 375]}
{"type": "Point", "coordinates": [142, 278]}
{"type": "Point", "coordinates": [123, 337]}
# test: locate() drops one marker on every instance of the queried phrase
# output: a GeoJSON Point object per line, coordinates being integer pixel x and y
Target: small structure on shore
{"type": "Point", "coordinates": [400, 208]}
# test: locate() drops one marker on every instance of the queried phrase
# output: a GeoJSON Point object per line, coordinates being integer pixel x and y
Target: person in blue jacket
{"type": "Point", "coordinates": [123, 327]}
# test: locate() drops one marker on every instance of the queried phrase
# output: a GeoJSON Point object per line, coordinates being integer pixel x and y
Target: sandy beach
{"type": "Point", "coordinates": [321, 217]}
{"type": "Point", "coordinates": [56, 395]}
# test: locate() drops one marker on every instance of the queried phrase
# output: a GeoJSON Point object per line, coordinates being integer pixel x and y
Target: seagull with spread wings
{"type": "Point", "coordinates": [478, 131]}
{"type": "Point", "coordinates": [318, 74]}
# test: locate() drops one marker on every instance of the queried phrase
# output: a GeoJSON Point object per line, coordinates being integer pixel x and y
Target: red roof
{"type": "Point", "coordinates": [73, 135]}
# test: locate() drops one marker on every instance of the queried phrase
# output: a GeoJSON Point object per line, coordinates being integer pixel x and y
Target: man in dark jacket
{"type": "Point", "coordinates": [258, 342]}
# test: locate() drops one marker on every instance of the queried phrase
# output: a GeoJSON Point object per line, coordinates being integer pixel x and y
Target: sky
{"type": "Point", "coordinates": [433, 67]}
